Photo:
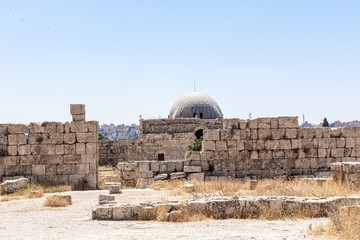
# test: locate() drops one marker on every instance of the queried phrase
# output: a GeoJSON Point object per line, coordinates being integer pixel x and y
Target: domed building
{"type": "Point", "coordinates": [196, 105]}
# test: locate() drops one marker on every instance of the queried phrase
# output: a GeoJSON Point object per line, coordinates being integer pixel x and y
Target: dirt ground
{"type": "Point", "coordinates": [27, 219]}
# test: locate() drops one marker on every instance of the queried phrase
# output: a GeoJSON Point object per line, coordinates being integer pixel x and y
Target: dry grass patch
{"type": "Point", "coordinates": [57, 201]}
{"type": "Point", "coordinates": [59, 188]}
{"type": "Point", "coordinates": [297, 187]}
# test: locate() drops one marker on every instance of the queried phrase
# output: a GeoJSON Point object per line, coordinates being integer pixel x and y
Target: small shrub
{"type": "Point", "coordinates": [196, 146]}
{"type": "Point", "coordinates": [57, 201]}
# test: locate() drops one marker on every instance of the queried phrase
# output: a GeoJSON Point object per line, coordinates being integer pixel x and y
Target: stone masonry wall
{"type": "Point", "coordinates": [51, 152]}
{"type": "Point", "coordinates": [268, 147]}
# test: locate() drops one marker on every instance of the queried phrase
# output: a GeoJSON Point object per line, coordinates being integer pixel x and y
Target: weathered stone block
{"type": "Point", "coordinates": [340, 142]}
{"type": "Point", "coordinates": [17, 139]}
{"type": "Point", "coordinates": [77, 118]}
{"type": "Point", "coordinates": [211, 135]}
{"type": "Point", "coordinates": [91, 148]}
{"type": "Point", "coordinates": [93, 126]}
{"type": "Point", "coordinates": [208, 146]}
{"type": "Point", "coordinates": [59, 150]}
{"type": "Point", "coordinates": [221, 146]}
{"type": "Point", "coordinates": [192, 155]}
{"type": "Point", "coordinates": [288, 122]}
{"type": "Point", "coordinates": [80, 148]}
{"type": "Point", "coordinates": [77, 109]}
{"type": "Point", "coordinates": [179, 175]}
{"type": "Point", "coordinates": [337, 152]}
{"type": "Point", "coordinates": [10, 160]}
{"type": "Point", "coordinates": [161, 177]}
{"type": "Point", "coordinates": [38, 170]}
{"type": "Point", "coordinates": [129, 175]}
{"type": "Point", "coordinates": [291, 133]}
{"type": "Point", "coordinates": [192, 169]}
{"type": "Point", "coordinates": [79, 127]}
{"type": "Point", "coordinates": [11, 186]}
{"type": "Point", "coordinates": [265, 134]}
{"type": "Point", "coordinates": [243, 124]}
{"type": "Point", "coordinates": [36, 128]}
{"type": "Point", "coordinates": [274, 123]}
{"type": "Point", "coordinates": [24, 150]}
{"type": "Point", "coordinates": [86, 137]}
{"type": "Point", "coordinates": [144, 166]}
{"type": "Point", "coordinates": [277, 134]}
{"type": "Point", "coordinates": [197, 176]}
{"type": "Point", "coordinates": [350, 142]}
{"type": "Point", "coordinates": [69, 138]}
{"type": "Point", "coordinates": [272, 144]}
{"type": "Point", "coordinates": [252, 124]}
{"type": "Point", "coordinates": [233, 123]}
{"type": "Point", "coordinates": [102, 213]}
{"type": "Point", "coordinates": [12, 150]}
{"type": "Point", "coordinates": [74, 158]}
{"type": "Point", "coordinates": [264, 123]}
{"type": "Point", "coordinates": [285, 144]}
{"type": "Point", "coordinates": [155, 166]}
{"type": "Point", "coordinates": [18, 128]}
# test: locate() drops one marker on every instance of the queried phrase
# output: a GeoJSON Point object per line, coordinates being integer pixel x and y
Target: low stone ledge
{"type": "Point", "coordinates": [11, 186]}
{"type": "Point", "coordinates": [228, 207]}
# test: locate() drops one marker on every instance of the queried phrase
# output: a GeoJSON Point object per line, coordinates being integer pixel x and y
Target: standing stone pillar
{"type": "Point", "coordinates": [78, 112]}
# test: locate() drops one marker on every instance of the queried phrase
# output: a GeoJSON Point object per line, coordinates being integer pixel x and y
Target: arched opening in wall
{"type": "Point", "coordinates": [201, 115]}
{"type": "Point", "coordinates": [161, 157]}
{"type": "Point", "coordinates": [199, 133]}
{"type": "Point", "coordinates": [194, 115]}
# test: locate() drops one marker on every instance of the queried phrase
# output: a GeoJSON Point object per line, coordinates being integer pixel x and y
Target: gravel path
{"type": "Point", "coordinates": [27, 219]}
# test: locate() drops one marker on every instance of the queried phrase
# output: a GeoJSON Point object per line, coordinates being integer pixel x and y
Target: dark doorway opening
{"type": "Point", "coordinates": [201, 115]}
{"type": "Point", "coordinates": [161, 157]}
{"type": "Point", "coordinates": [199, 134]}
{"type": "Point", "coordinates": [194, 115]}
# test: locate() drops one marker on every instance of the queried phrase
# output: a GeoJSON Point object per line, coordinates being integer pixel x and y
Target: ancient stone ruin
{"type": "Point", "coordinates": [51, 153]}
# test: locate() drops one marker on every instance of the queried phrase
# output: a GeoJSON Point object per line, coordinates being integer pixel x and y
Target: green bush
{"type": "Point", "coordinates": [196, 146]}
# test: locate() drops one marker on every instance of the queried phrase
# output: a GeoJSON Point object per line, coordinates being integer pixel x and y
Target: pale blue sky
{"type": "Point", "coordinates": [129, 58]}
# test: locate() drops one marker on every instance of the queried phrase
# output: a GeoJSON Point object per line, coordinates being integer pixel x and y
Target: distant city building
{"type": "Point", "coordinates": [122, 131]}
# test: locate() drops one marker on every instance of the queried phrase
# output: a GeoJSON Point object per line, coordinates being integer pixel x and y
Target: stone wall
{"type": "Point", "coordinates": [348, 173]}
{"type": "Point", "coordinates": [170, 137]}
{"type": "Point", "coordinates": [51, 152]}
{"type": "Point", "coordinates": [268, 147]}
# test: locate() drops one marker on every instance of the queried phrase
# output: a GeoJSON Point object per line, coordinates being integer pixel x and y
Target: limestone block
{"type": "Point", "coordinates": [24, 150]}
{"type": "Point", "coordinates": [115, 189]}
{"type": "Point", "coordinates": [233, 123]}
{"type": "Point", "coordinates": [274, 123]}
{"type": "Point", "coordinates": [279, 154]}
{"type": "Point", "coordinates": [69, 138]}
{"type": "Point", "coordinates": [67, 127]}
{"type": "Point", "coordinates": [221, 146]}
{"type": "Point", "coordinates": [4, 129]}
{"type": "Point", "coordinates": [192, 169]}
{"type": "Point", "coordinates": [59, 149]}
{"type": "Point", "coordinates": [322, 153]}
{"type": "Point", "coordinates": [178, 175]}
{"type": "Point", "coordinates": [272, 144]}
{"type": "Point", "coordinates": [17, 139]}
{"type": "Point", "coordinates": [245, 134]}
{"type": "Point", "coordinates": [243, 124]}
{"type": "Point", "coordinates": [102, 213]}
{"type": "Point", "coordinates": [192, 155]}
{"type": "Point", "coordinates": [36, 128]}
{"type": "Point", "coordinates": [350, 142]}
{"type": "Point", "coordinates": [327, 143]}
{"type": "Point", "coordinates": [26, 160]}
{"type": "Point", "coordinates": [77, 118]}
{"type": "Point", "coordinates": [253, 134]}
{"type": "Point", "coordinates": [3, 139]}
{"type": "Point", "coordinates": [131, 166]}
{"type": "Point", "coordinates": [125, 213]}
{"type": "Point", "coordinates": [91, 148]}
{"type": "Point", "coordinates": [77, 109]}
{"type": "Point", "coordinates": [349, 132]}
{"type": "Point", "coordinates": [12, 150]}
{"type": "Point", "coordinates": [254, 155]}
{"type": "Point", "coordinates": [318, 132]}
{"type": "Point", "coordinates": [211, 135]}
{"type": "Point", "coordinates": [196, 176]}
{"type": "Point", "coordinates": [148, 174]}
{"type": "Point", "coordinates": [10, 160]}
{"type": "Point", "coordinates": [288, 122]}
{"type": "Point", "coordinates": [87, 137]}
{"type": "Point", "coordinates": [42, 149]}
{"type": "Point", "coordinates": [74, 158]}
{"type": "Point", "coordinates": [307, 132]}
{"type": "Point", "coordinates": [145, 182]}
{"type": "Point", "coordinates": [340, 142]}
{"type": "Point", "coordinates": [56, 138]}
{"type": "Point", "coordinates": [69, 149]}
{"type": "Point", "coordinates": [291, 133]}
{"type": "Point", "coordinates": [357, 142]}
{"type": "Point", "coordinates": [144, 166]}
{"type": "Point", "coordinates": [252, 124]}
{"type": "Point", "coordinates": [208, 146]}
{"type": "Point", "coordinates": [264, 123]}
{"type": "Point", "coordinates": [79, 127]}
{"type": "Point", "coordinates": [38, 170]}
{"type": "Point", "coordinates": [155, 166]}
{"type": "Point", "coordinates": [80, 148]}
{"type": "Point", "coordinates": [93, 126]}
{"type": "Point", "coordinates": [179, 166]}
{"type": "Point", "coordinates": [129, 175]}
{"type": "Point", "coordinates": [284, 144]}
{"type": "Point", "coordinates": [18, 128]}
{"type": "Point", "coordinates": [265, 134]}
{"type": "Point", "coordinates": [337, 152]}
{"type": "Point", "coordinates": [258, 145]}
{"type": "Point", "coordinates": [12, 186]}
{"type": "Point", "coordinates": [277, 134]}
{"type": "Point", "coordinates": [82, 168]}
{"type": "Point", "coordinates": [161, 177]}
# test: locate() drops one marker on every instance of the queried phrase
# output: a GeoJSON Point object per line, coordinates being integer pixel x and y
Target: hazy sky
{"type": "Point", "coordinates": [129, 58]}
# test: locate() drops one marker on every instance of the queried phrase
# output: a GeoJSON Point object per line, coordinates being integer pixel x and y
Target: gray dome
{"type": "Point", "coordinates": [195, 104]}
